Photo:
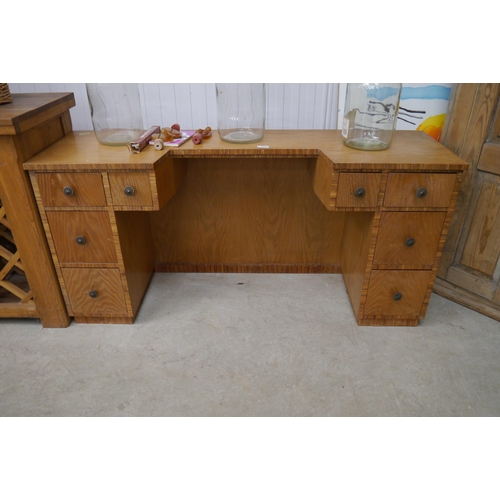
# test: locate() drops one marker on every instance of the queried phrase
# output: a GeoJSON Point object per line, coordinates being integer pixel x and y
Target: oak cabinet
{"type": "Point", "coordinates": [28, 282]}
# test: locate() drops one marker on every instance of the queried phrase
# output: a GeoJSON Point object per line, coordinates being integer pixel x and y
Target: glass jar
{"type": "Point", "coordinates": [116, 113]}
{"type": "Point", "coordinates": [241, 111]}
{"type": "Point", "coordinates": [370, 115]}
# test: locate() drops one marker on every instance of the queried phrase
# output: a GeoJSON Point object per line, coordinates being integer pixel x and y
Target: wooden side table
{"type": "Point", "coordinates": [28, 281]}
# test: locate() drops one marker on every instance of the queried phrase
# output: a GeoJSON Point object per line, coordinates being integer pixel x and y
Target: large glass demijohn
{"type": "Point", "coordinates": [116, 113]}
{"type": "Point", "coordinates": [370, 115]}
{"type": "Point", "coordinates": [241, 111]}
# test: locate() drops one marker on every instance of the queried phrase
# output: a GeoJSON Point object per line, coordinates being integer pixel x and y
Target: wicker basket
{"type": "Point", "coordinates": [5, 93]}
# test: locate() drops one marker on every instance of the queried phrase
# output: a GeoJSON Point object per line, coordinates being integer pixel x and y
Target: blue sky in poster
{"type": "Point", "coordinates": [423, 106]}
{"type": "Point", "coordinates": [428, 92]}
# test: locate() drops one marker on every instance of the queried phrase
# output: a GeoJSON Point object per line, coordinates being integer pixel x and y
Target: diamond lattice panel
{"type": "Point", "coordinates": [14, 287]}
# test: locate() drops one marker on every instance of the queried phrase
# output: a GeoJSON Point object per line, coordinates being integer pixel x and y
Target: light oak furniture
{"type": "Point", "coordinates": [28, 282]}
{"type": "Point", "coordinates": [469, 272]}
{"type": "Point", "coordinates": [298, 201]}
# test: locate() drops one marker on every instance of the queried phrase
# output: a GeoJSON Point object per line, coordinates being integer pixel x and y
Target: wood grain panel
{"type": "Point", "coordinates": [349, 182]}
{"type": "Point", "coordinates": [138, 181]}
{"type": "Point", "coordinates": [473, 281]}
{"type": "Point", "coordinates": [462, 99]}
{"type": "Point", "coordinates": [136, 246]}
{"type": "Point", "coordinates": [93, 226]}
{"type": "Point", "coordinates": [397, 227]}
{"type": "Point", "coordinates": [169, 174]}
{"type": "Point", "coordinates": [21, 208]}
{"type": "Point", "coordinates": [249, 268]}
{"type": "Point", "coordinates": [87, 188]}
{"type": "Point", "coordinates": [481, 251]}
{"type": "Point", "coordinates": [357, 248]}
{"type": "Point", "coordinates": [468, 298]}
{"type": "Point", "coordinates": [412, 285]}
{"type": "Point", "coordinates": [32, 110]}
{"type": "Point", "coordinates": [19, 310]}
{"type": "Point", "coordinates": [110, 299]}
{"type": "Point", "coordinates": [38, 138]}
{"type": "Point", "coordinates": [494, 134]}
{"type": "Point", "coordinates": [470, 128]}
{"type": "Point", "coordinates": [246, 211]}
{"type": "Point", "coordinates": [321, 172]}
{"type": "Point", "coordinates": [401, 190]}
{"type": "Point", "coordinates": [489, 160]}
{"type": "Point", "coordinates": [465, 130]}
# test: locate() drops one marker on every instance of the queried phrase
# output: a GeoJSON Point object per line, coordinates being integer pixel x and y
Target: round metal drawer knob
{"type": "Point", "coordinates": [360, 192]}
{"type": "Point", "coordinates": [409, 242]}
{"type": "Point", "coordinates": [81, 240]}
{"type": "Point", "coordinates": [129, 191]}
{"type": "Point", "coordinates": [421, 192]}
{"type": "Point", "coordinates": [93, 294]}
{"type": "Point", "coordinates": [68, 191]}
{"type": "Point", "coordinates": [397, 296]}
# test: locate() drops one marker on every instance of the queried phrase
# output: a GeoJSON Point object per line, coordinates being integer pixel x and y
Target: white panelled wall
{"type": "Point", "coordinates": [193, 105]}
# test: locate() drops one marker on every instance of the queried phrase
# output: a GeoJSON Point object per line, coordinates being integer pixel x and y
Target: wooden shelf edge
{"type": "Point", "coordinates": [17, 310]}
{"type": "Point", "coordinates": [185, 267]}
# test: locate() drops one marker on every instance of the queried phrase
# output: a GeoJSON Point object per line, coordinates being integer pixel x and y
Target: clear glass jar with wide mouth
{"type": "Point", "coordinates": [241, 111]}
{"type": "Point", "coordinates": [116, 112]}
{"type": "Point", "coordinates": [370, 115]}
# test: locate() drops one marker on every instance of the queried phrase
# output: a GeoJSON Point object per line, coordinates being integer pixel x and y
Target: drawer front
{"type": "Point", "coordinates": [95, 292]}
{"type": "Point", "coordinates": [394, 293]}
{"type": "Point", "coordinates": [419, 190]}
{"type": "Point", "coordinates": [408, 238]}
{"type": "Point", "coordinates": [131, 189]}
{"type": "Point", "coordinates": [358, 190]}
{"type": "Point", "coordinates": [71, 190]}
{"type": "Point", "coordinates": [82, 237]}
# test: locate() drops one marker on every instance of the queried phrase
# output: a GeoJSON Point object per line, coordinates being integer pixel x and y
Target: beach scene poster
{"type": "Point", "coordinates": [423, 107]}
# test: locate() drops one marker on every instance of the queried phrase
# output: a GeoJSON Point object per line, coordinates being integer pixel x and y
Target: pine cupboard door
{"type": "Point", "coordinates": [470, 268]}
{"type": "Point", "coordinates": [478, 267]}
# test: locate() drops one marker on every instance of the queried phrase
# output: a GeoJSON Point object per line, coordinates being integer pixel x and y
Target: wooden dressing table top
{"type": "Point", "coordinates": [414, 150]}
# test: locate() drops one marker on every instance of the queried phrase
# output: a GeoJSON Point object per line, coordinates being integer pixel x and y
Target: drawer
{"type": "Point", "coordinates": [131, 189]}
{"type": "Point", "coordinates": [358, 190]}
{"type": "Point", "coordinates": [408, 238]}
{"type": "Point", "coordinates": [94, 292]}
{"type": "Point", "coordinates": [395, 293]}
{"type": "Point", "coordinates": [71, 190]}
{"type": "Point", "coordinates": [419, 190]}
{"type": "Point", "coordinates": [82, 236]}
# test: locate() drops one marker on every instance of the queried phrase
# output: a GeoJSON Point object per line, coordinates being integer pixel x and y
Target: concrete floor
{"type": "Point", "coordinates": [252, 345]}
